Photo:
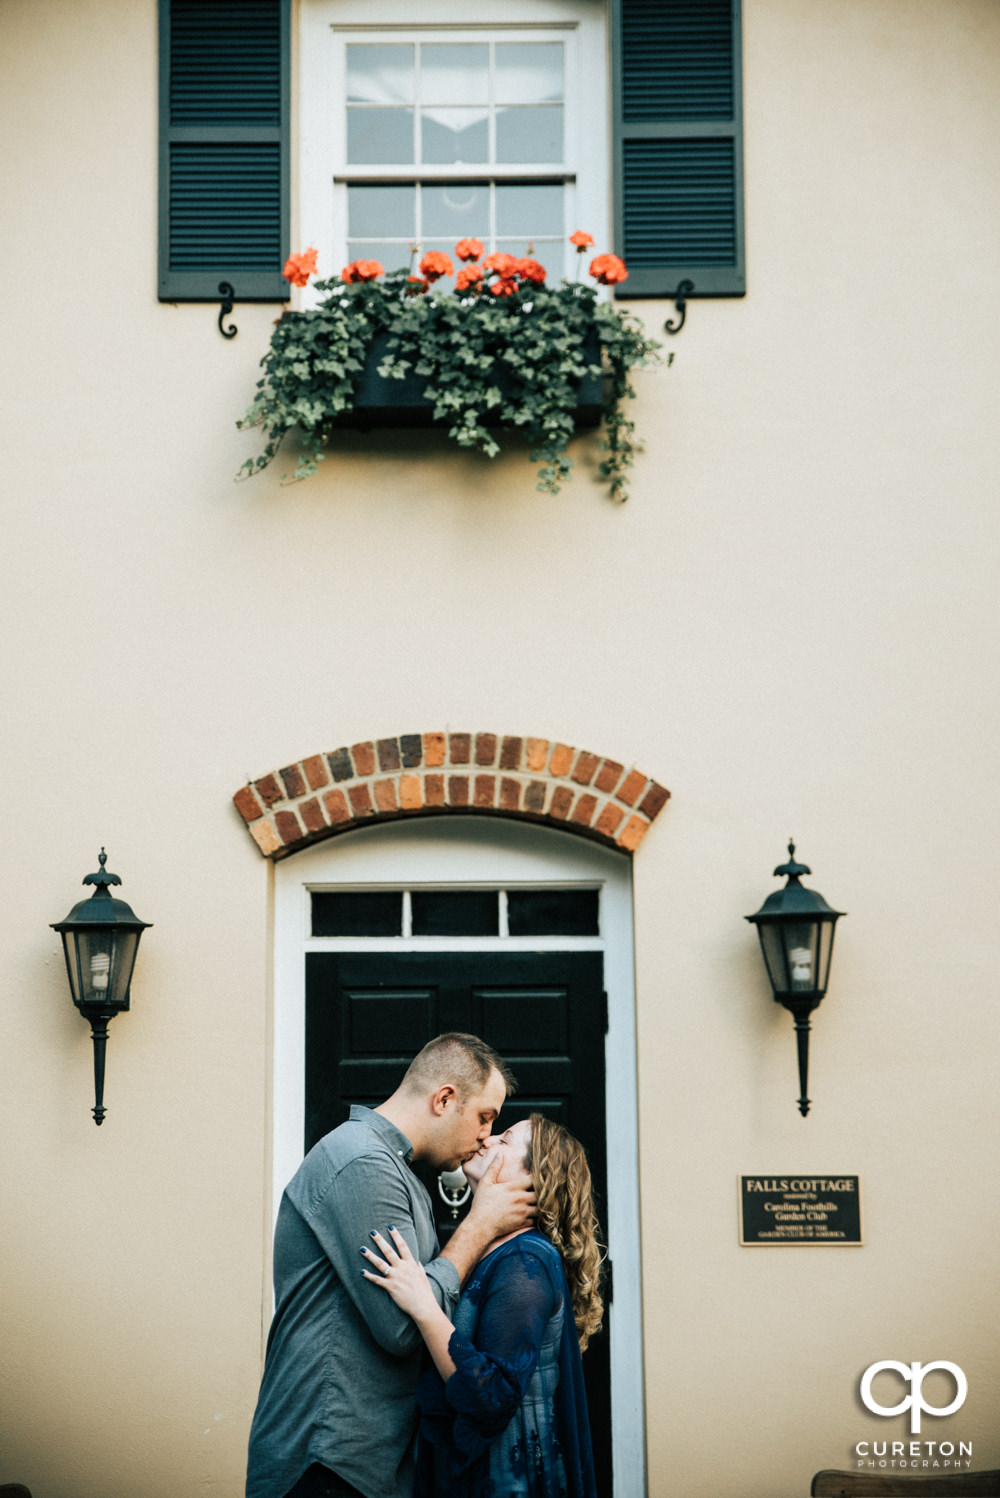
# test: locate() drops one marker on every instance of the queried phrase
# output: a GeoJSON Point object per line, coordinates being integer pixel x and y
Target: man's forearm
{"type": "Point", "coordinates": [467, 1245]}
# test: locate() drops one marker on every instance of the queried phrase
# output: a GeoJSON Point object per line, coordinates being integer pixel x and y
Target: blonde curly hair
{"type": "Point", "coordinates": [561, 1178]}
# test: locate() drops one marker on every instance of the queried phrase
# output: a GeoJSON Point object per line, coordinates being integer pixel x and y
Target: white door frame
{"type": "Point", "coordinates": [471, 851]}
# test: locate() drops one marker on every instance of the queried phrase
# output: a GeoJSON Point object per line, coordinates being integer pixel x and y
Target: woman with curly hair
{"type": "Point", "coordinates": [503, 1410]}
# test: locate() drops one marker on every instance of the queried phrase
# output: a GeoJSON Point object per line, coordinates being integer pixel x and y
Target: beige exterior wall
{"type": "Point", "coordinates": [791, 625]}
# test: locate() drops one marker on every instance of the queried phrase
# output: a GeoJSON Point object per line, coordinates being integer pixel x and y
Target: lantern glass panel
{"type": "Point", "coordinates": [126, 944]}
{"type": "Point", "coordinates": [825, 931]}
{"type": "Point", "coordinates": [773, 949]}
{"type": "Point", "coordinates": [801, 940]}
{"type": "Point", "coordinates": [72, 964]}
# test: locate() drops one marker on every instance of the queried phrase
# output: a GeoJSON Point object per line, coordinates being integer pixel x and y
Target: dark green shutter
{"type": "Point", "coordinates": [224, 149]}
{"type": "Point", "coordinates": [678, 146]}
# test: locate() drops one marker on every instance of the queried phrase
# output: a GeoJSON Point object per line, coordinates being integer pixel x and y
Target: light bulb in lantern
{"type": "Point", "coordinates": [802, 969]}
{"type": "Point", "coordinates": [100, 969]}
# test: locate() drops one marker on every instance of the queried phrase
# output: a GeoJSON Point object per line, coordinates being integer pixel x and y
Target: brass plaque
{"type": "Point", "coordinates": [800, 1209]}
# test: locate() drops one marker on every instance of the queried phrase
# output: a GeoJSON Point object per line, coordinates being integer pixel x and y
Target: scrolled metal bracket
{"type": "Point", "coordinates": [681, 295]}
{"type": "Point", "coordinates": [228, 296]}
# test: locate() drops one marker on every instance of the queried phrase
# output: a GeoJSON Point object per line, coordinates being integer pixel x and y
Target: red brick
{"type": "Point", "coordinates": [538, 753]}
{"type": "Point", "coordinates": [247, 804]}
{"type": "Point", "coordinates": [586, 764]}
{"type": "Point", "coordinates": [460, 747]}
{"type": "Point", "coordinates": [388, 754]}
{"type": "Point", "coordinates": [361, 801]}
{"type": "Point", "coordinates": [486, 788]}
{"type": "Point", "coordinates": [510, 754]}
{"type": "Point", "coordinates": [486, 748]}
{"type": "Point", "coordinates": [434, 749]}
{"type": "Point", "coordinates": [584, 810]}
{"type": "Point", "coordinates": [385, 796]}
{"type": "Point", "coordinates": [269, 790]}
{"type": "Point", "coordinates": [312, 815]}
{"type": "Point", "coordinates": [562, 758]}
{"type": "Point", "coordinates": [265, 837]}
{"type": "Point", "coordinates": [562, 800]}
{"type": "Point", "coordinates": [458, 790]}
{"type": "Point", "coordinates": [411, 796]}
{"type": "Point", "coordinates": [510, 794]}
{"type": "Point", "coordinates": [288, 827]}
{"type": "Point", "coordinates": [608, 820]}
{"type": "Point", "coordinates": [434, 790]}
{"type": "Point", "coordinates": [315, 772]}
{"type": "Point", "coordinates": [654, 800]}
{"type": "Point", "coordinates": [336, 807]}
{"type": "Point", "coordinates": [609, 776]}
{"type": "Point", "coordinates": [631, 788]}
{"type": "Point", "coordinates": [635, 830]}
{"type": "Point", "coordinates": [534, 797]}
{"type": "Point", "coordinates": [364, 758]}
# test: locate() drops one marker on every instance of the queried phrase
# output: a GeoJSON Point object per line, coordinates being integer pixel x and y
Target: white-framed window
{"type": "Point", "coordinates": [496, 130]}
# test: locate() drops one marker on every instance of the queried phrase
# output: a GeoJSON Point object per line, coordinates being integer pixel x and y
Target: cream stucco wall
{"type": "Point", "coordinates": [791, 624]}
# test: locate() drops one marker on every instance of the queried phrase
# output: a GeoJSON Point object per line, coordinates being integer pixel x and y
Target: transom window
{"type": "Point", "coordinates": [440, 134]}
{"type": "Point", "coordinates": [456, 912]}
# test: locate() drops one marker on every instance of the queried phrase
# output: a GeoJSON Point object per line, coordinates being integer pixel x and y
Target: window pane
{"type": "Point", "coordinates": [375, 913]}
{"type": "Point", "coordinates": [530, 134]}
{"type": "Point", "coordinates": [525, 210]}
{"type": "Point", "coordinates": [379, 136]}
{"type": "Point", "coordinates": [552, 912]}
{"type": "Point", "coordinates": [390, 256]}
{"type": "Point", "coordinates": [529, 72]}
{"type": "Point", "coordinates": [455, 135]}
{"type": "Point", "coordinates": [448, 912]}
{"type": "Point", "coordinates": [457, 210]}
{"type": "Point", "coordinates": [454, 74]}
{"type": "Point", "coordinates": [379, 74]}
{"type": "Point", "coordinates": [381, 212]}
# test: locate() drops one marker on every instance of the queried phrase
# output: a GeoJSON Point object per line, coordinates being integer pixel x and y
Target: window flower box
{"type": "Point", "coordinates": [384, 402]}
{"type": "Point", "coordinates": [509, 353]}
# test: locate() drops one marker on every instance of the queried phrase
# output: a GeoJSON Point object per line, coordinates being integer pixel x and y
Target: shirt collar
{"type": "Point", "coordinates": [393, 1137]}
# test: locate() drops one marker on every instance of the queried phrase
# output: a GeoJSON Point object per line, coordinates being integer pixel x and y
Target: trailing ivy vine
{"type": "Point", "coordinates": [507, 354]}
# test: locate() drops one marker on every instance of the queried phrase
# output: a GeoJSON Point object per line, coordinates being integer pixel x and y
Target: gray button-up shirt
{"type": "Point", "coordinates": [342, 1360]}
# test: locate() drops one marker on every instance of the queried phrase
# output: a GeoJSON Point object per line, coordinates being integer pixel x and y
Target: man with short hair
{"type": "Point", "coordinates": [337, 1409]}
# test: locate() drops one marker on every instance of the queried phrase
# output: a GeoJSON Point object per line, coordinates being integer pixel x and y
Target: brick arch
{"type": "Point", "coordinates": [417, 774]}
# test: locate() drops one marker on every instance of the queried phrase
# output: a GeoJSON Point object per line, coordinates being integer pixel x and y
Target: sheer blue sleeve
{"type": "Point", "coordinates": [491, 1374]}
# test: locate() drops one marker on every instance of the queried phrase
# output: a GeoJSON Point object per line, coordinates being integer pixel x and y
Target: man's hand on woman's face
{"type": "Point", "coordinates": [501, 1207]}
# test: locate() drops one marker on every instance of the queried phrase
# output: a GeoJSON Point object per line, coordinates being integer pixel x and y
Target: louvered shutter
{"type": "Point", "coordinates": [224, 151]}
{"type": "Point", "coordinates": [678, 146]}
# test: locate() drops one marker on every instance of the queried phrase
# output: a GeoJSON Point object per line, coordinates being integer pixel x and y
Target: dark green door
{"type": "Point", "coordinates": [368, 1013]}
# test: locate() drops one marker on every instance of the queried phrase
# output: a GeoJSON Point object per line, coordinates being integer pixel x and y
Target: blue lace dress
{"type": "Point", "coordinates": [511, 1422]}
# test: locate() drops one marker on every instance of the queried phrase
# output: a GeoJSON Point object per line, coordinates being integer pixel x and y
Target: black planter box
{"type": "Point", "coordinates": [402, 403]}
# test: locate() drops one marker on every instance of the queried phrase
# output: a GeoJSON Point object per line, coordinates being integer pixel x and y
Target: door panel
{"type": "Point", "coordinates": [368, 1013]}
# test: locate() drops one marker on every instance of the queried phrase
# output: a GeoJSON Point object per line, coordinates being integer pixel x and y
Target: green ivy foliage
{"type": "Point", "coordinates": [491, 362]}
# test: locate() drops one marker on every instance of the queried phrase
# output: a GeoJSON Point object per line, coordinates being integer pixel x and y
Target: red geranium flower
{"type": "Point", "coordinates": [581, 240]}
{"type": "Point", "coordinates": [505, 286]}
{"type": "Point", "coordinates": [362, 270]}
{"type": "Point", "coordinates": [469, 249]}
{"type": "Point", "coordinates": [469, 277]}
{"type": "Point", "coordinates": [298, 268]}
{"type": "Point", "coordinates": [608, 269]}
{"type": "Point", "coordinates": [436, 264]}
{"type": "Point", "coordinates": [530, 270]}
{"type": "Point", "coordinates": [503, 265]}
{"type": "Point", "coordinates": [416, 286]}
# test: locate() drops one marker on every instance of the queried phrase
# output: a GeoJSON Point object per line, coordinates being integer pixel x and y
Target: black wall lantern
{"type": "Point", "coordinates": [795, 927]}
{"type": "Point", "coordinates": [100, 939]}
